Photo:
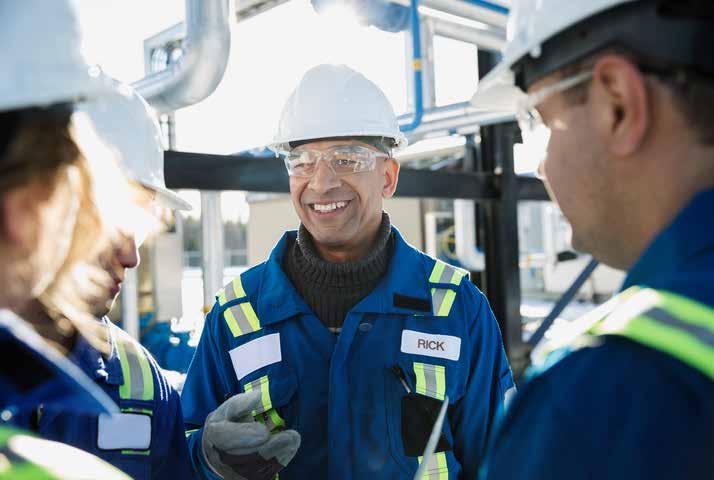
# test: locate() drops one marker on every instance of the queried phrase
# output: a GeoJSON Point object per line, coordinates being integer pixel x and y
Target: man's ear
{"type": "Point", "coordinates": [391, 177]}
{"type": "Point", "coordinates": [18, 217]}
{"type": "Point", "coordinates": [620, 98]}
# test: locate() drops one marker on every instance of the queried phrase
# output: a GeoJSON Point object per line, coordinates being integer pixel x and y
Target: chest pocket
{"type": "Point", "coordinates": [415, 390]}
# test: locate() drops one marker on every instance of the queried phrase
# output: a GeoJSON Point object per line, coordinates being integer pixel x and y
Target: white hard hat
{"type": "Point", "coordinates": [125, 121]}
{"type": "Point", "coordinates": [335, 101]}
{"type": "Point", "coordinates": [41, 55]}
{"type": "Point", "coordinates": [530, 24]}
{"type": "Point", "coordinates": [547, 35]}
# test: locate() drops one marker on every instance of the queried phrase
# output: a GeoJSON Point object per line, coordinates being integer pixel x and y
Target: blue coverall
{"type": "Point", "coordinates": [33, 372]}
{"type": "Point", "coordinates": [619, 409]}
{"type": "Point", "coordinates": [156, 448]}
{"type": "Point", "coordinates": [424, 328]}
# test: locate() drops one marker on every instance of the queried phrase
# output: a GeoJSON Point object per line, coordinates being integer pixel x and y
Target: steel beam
{"type": "Point", "coordinates": [203, 171]}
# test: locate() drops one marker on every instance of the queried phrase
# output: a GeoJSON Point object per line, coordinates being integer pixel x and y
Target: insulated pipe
{"type": "Point", "coordinates": [465, 9]}
{"type": "Point", "coordinates": [199, 70]}
{"type": "Point", "coordinates": [473, 10]}
{"type": "Point", "coordinates": [484, 39]}
{"type": "Point", "coordinates": [456, 123]}
{"type": "Point", "coordinates": [416, 58]}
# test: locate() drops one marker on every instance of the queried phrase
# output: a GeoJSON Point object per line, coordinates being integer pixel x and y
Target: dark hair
{"type": "Point", "coordinates": [692, 92]}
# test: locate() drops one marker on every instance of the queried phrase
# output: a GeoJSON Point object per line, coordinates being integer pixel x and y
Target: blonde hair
{"type": "Point", "coordinates": [49, 150]}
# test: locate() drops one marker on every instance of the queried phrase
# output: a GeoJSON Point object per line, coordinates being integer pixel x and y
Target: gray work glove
{"type": "Point", "coordinates": [237, 447]}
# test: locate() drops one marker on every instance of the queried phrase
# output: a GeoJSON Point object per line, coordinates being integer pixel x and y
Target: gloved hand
{"type": "Point", "coordinates": [237, 447]}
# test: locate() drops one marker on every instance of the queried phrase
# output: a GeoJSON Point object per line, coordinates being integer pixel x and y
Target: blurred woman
{"type": "Point", "coordinates": [52, 172]}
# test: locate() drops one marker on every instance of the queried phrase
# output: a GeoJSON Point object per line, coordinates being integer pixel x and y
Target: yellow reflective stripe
{"type": "Point", "coordinates": [437, 469]}
{"type": "Point", "coordinates": [276, 419]}
{"type": "Point", "coordinates": [190, 432]}
{"type": "Point", "coordinates": [136, 452]}
{"type": "Point", "coordinates": [250, 314]}
{"type": "Point", "coordinates": [222, 300]}
{"type": "Point", "coordinates": [238, 287]}
{"type": "Point", "coordinates": [688, 310]}
{"type": "Point", "coordinates": [437, 271]}
{"type": "Point", "coordinates": [263, 385]}
{"type": "Point", "coordinates": [446, 305]}
{"type": "Point", "coordinates": [458, 276]}
{"type": "Point", "coordinates": [430, 380]}
{"type": "Point", "coordinates": [232, 291]}
{"type": "Point", "coordinates": [241, 319]}
{"type": "Point", "coordinates": [232, 323]}
{"type": "Point", "coordinates": [138, 379]}
{"type": "Point", "coordinates": [667, 339]}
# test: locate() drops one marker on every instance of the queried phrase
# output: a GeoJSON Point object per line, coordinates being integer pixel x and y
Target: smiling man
{"type": "Point", "coordinates": [332, 358]}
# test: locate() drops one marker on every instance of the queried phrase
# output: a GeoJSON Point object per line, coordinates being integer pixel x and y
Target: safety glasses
{"type": "Point", "coordinates": [533, 129]}
{"type": "Point", "coordinates": [342, 160]}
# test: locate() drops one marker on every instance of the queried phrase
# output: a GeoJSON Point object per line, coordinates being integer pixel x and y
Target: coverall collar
{"type": "Point", "coordinates": [407, 276]}
{"type": "Point", "coordinates": [94, 363]}
{"type": "Point", "coordinates": [678, 247]}
{"type": "Point", "coordinates": [68, 385]}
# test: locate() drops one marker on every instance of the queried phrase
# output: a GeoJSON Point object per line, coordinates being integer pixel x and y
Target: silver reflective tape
{"type": "Point", "coordinates": [137, 376]}
{"type": "Point", "coordinates": [702, 334]}
{"type": "Point", "coordinates": [241, 319]}
{"type": "Point", "coordinates": [430, 380]}
{"type": "Point", "coordinates": [230, 292]}
{"type": "Point", "coordinates": [437, 299]}
{"type": "Point", "coordinates": [447, 274]}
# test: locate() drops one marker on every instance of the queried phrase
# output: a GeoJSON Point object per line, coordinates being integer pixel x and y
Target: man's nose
{"type": "Point", "coordinates": [127, 252]}
{"type": "Point", "coordinates": [324, 178]}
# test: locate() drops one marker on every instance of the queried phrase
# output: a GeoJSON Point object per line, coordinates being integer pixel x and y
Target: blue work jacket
{"type": "Point", "coordinates": [32, 372]}
{"type": "Point", "coordinates": [618, 409]}
{"type": "Point", "coordinates": [145, 439]}
{"type": "Point", "coordinates": [425, 328]}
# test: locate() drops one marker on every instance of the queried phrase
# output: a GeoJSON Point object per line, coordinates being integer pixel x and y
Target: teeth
{"type": "Point", "coordinates": [328, 207]}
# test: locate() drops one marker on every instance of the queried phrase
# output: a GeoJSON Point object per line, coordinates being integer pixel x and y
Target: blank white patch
{"type": "Point", "coordinates": [124, 431]}
{"type": "Point", "coordinates": [256, 354]}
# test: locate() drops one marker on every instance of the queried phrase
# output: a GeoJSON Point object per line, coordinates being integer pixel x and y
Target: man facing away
{"type": "Point", "coordinates": [626, 90]}
{"type": "Point", "coordinates": [331, 359]}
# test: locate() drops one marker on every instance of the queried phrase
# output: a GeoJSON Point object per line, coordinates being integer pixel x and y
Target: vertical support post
{"type": "Point", "coordinates": [499, 232]}
{"type": "Point", "coordinates": [212, 245]}
{"type": "Point", "coordinates": [130, 303]}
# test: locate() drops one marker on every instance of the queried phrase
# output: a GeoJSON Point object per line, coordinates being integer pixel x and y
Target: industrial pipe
{"type": "Point", "coordinates": [485, 39]}
{"type": "Point", "coordinates": [417, 65]}
{"type": "Point", "coordinates": [467, 9]}
{"type": "Point", "coordinates": [200, 68]}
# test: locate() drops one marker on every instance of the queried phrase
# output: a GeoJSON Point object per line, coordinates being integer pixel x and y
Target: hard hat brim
{"type": "Point", "coordinates": [167, 198]}
{"type": "Point", "coordinates": [497, 91]}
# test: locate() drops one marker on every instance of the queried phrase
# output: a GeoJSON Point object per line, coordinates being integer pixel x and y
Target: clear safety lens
{"type": "Point", "coordinates": [535, 133]}
{"type": "Point", "coordinates": [343, 160]}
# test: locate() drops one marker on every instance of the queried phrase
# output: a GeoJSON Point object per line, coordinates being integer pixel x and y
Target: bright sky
{"type": "Point", "coordinates": [269, 54]}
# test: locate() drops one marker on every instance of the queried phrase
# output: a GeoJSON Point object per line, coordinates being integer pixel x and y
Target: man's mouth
{"type": "Point", "coordinates": [330, 207]}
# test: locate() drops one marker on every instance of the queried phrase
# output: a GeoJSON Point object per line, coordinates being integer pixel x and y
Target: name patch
{"type": "Point", "coordinates": [124, 431]}
{"type": "Point", "coordinates": [438, 346]}
{"type": "Point", "coordinates": [256, 354]}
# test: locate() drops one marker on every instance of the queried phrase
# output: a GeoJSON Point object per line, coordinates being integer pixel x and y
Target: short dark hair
{"type": "Point", "coordinates": [692, 91]}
